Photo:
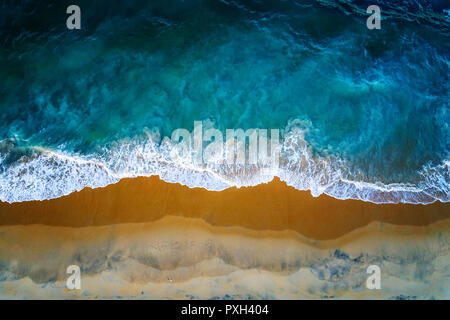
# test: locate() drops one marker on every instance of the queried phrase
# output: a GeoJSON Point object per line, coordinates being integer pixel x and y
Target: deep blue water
{"type": "Point", "coordinates": [363, 113]}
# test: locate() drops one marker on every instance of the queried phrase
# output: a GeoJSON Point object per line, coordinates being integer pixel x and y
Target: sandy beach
{"type": "Point", "coordinates": [272, 206]}
{"type": "Point", "coordinates": [145, 238]}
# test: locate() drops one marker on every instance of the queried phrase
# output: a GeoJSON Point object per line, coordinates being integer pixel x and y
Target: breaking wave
{"type": "Point", "coordinates": [42, 174]}
{"type": "Point", "coordinates": [374, 103]}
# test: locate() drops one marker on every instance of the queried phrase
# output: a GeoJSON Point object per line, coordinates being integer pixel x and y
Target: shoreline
{"type": "Point", "coordinates": [272, 206]}
{"type": "Point", "coordinates": [144, 238]}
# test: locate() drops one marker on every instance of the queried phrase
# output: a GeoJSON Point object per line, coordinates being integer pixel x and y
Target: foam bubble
{"type": "Point", "coordinates": [50, 174]}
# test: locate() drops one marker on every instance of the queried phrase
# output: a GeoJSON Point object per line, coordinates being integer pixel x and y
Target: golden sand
{"type": "Point", "coordinates": [272, 206]}
{"type": "Point", "coordinates": [145, 238]}
{"type": "Point", "coordinates": [174, 257]}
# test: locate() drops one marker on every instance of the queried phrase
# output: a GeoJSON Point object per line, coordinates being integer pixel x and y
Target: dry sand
{"type": "Point", "coordinates": [145, 238]}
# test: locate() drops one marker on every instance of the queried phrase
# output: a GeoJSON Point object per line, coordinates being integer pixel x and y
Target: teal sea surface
{"type": "Point", "coordinates": [362, 114]}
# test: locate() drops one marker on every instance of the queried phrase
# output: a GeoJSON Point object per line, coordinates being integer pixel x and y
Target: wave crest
{"type": "Point", "coordinates": [45, 174]}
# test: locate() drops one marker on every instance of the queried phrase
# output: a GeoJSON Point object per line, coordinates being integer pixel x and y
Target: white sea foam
{"type": "Point", "coordinates": [51, 174]}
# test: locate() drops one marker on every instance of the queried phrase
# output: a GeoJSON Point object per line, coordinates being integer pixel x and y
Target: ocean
{"type": "Point", "coordinates": [362, 114]}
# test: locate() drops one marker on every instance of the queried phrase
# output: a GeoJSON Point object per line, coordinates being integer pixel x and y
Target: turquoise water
{"type": "Point", "coordinates": [363, 113]}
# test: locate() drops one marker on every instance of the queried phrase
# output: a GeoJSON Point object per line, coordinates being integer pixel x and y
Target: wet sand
{"type": "Point", "coordinates": [272, 206]}
{"type": "Point", "coordinates": [179, 258]}
{"type": "Point", "coordinates": [145, 238]}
